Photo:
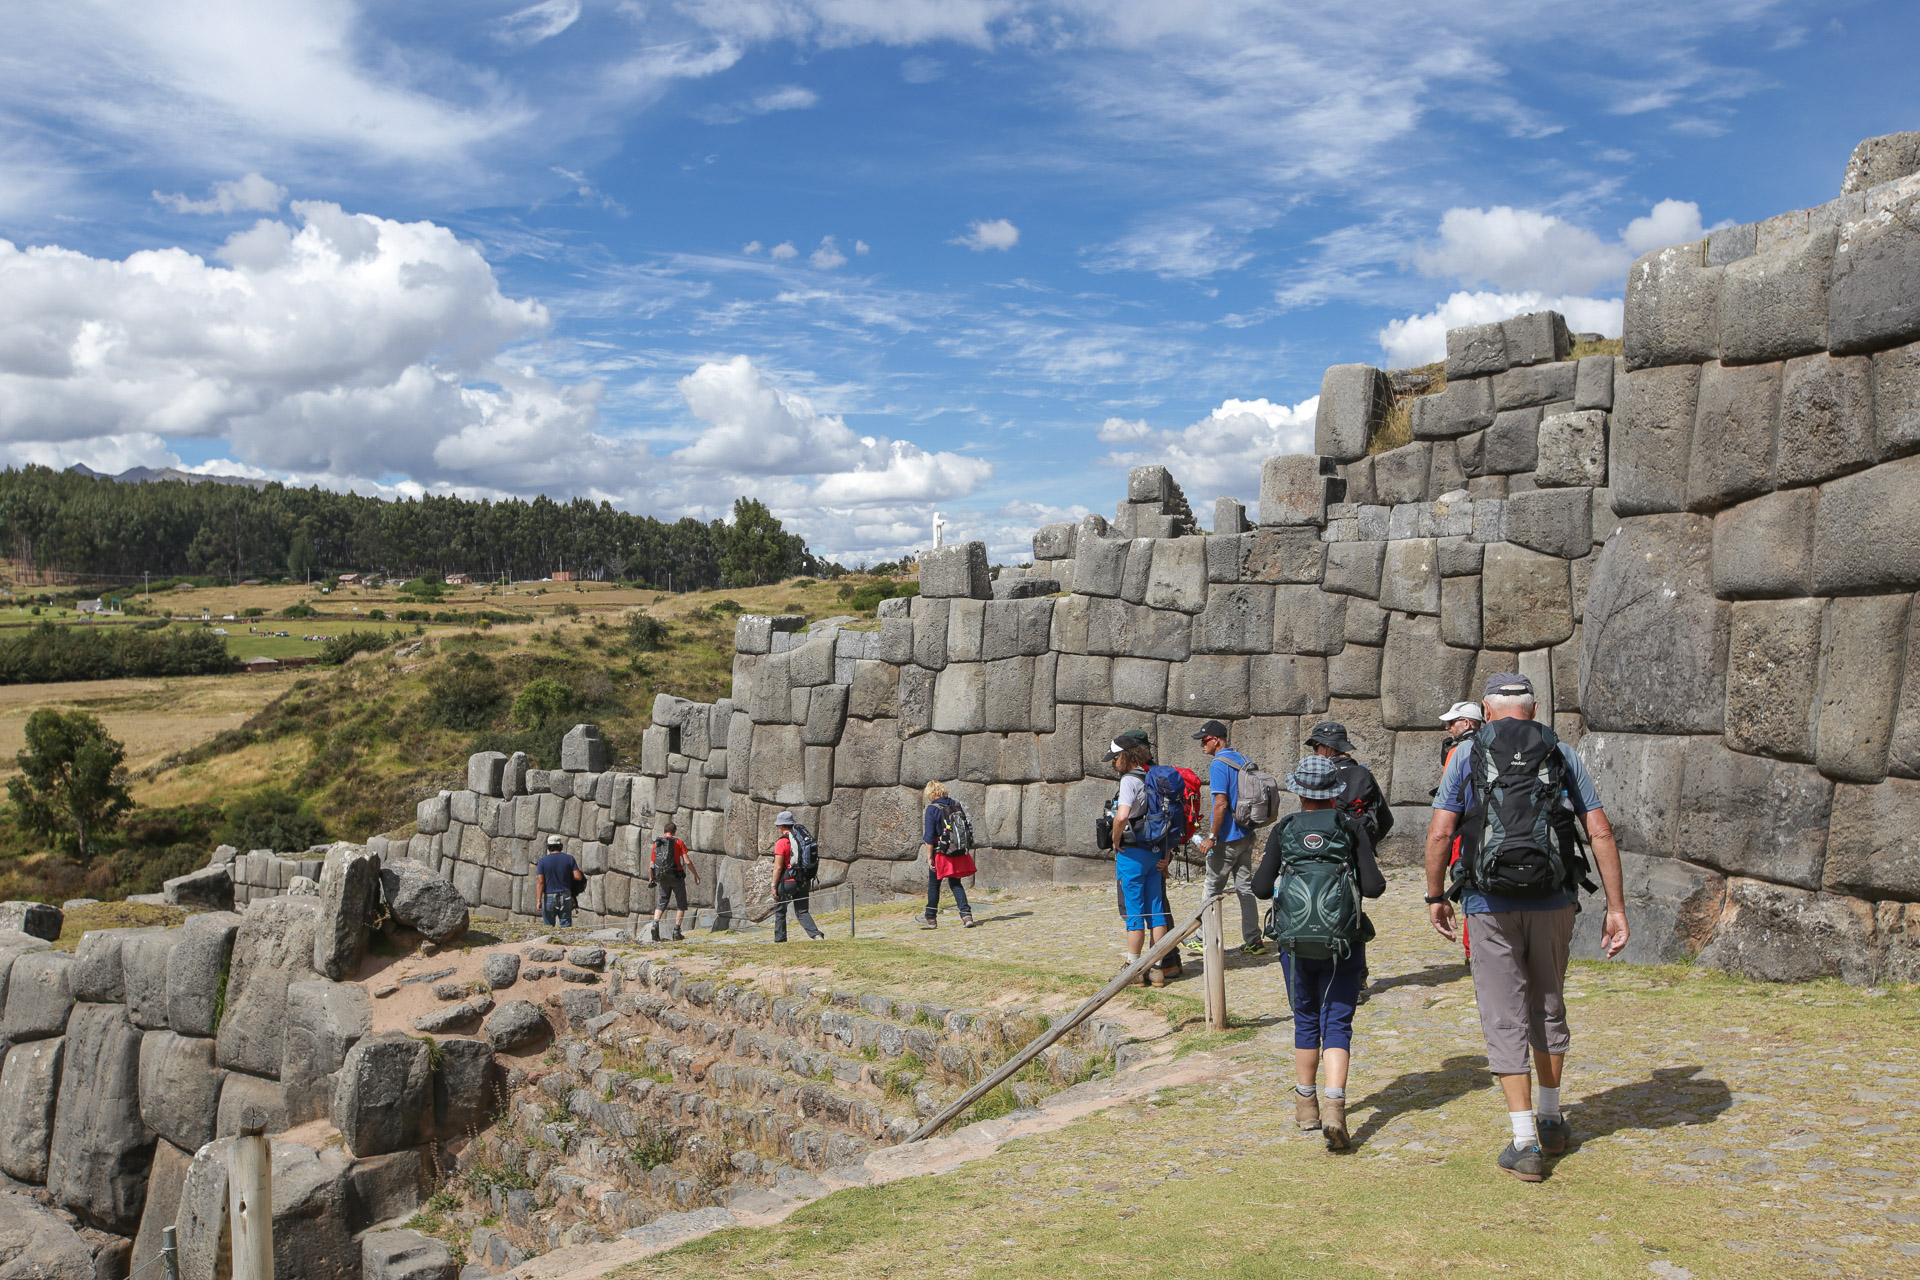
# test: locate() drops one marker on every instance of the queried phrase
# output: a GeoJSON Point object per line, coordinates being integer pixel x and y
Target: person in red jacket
{"type": "Point", "coordinates": [792, 887]}
{"type": "Point", "coordinates": [668, 875]}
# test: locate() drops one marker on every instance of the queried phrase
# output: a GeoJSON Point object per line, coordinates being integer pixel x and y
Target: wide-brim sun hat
{"type": "Point", "coordinates": [785, 818]}
{"type": "Point", "coordinates": [1315, 778]}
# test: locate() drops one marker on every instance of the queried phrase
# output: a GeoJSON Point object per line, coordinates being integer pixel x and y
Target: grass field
{"type": "Point", "coordinates": [154, 718]}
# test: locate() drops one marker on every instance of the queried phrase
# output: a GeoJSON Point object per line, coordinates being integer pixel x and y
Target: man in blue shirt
{"type": "Point", "coordinates": [1229, 849]}
{"type": "Point", "coordinates": [1521, 945]}
{"type": "Point", "coordinates": [557, 879]}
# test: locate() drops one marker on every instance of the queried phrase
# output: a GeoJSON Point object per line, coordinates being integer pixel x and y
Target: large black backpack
{"type": "Point", "coordinates": [1518, 840]}
{"type": "Point", "coordinates": [1316, 911]}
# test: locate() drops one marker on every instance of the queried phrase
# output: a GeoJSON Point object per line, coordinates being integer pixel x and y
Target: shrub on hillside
{"type": "Point", "coordinates": [338, 649]}
{"type": "Point", "coordinates": [464, 694]}
{"type": "Point", "coordinates": [646, 633]}
{"type": "Point", "coordinates": [300, 610]}
{"type": "Point", "coordinates": [271, 819]}
{"type": "Point", "coordinates": [543, 699]}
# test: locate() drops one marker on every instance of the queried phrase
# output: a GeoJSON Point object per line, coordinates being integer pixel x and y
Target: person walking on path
{"type": "Point", "coordinates": [1360, 794]}
{"type": "Point", "coordinates": [1141, 869]}
{"type": "Point", "coordinates": [792, 879]}
{"type": "Point", "coordinates": [1514, 795]}
{"type": "Point", "coordinates": [668, 875]}
{"type": "Point", "coordinates": [1228, 847]}
{"type": "Point", "coordinates": [1461, 719]}
{"type": "Point", "coordinates": [1323, 988]}
{"type": "Point", "coordinates": [946, 836]}
{"type": "Point", "coordinates": [557, 881]}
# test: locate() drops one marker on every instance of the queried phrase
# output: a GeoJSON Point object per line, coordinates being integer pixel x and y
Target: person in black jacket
{"type": "Point", "coordinates": [1323, 993]}
{"type": "Point", "coordinates": [1360, 794]}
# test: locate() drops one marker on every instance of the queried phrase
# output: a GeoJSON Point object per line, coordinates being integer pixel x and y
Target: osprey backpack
{"type": "Point", "coordinates": [1316, 900]}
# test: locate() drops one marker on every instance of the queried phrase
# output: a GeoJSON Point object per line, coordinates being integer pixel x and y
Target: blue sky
{"type": "Point", "coordinates": [864, 259]}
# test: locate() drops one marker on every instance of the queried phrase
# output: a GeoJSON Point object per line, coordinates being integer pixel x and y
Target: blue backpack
{"type": "Point", "coordinates": [1163, 827]}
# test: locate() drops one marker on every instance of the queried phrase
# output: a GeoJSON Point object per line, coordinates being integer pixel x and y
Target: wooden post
{"type": "Point", "coordinates": [1088, 1007]}
{"type": "Point", "coordinates": [1215, 955]}
{"type": "Point", "coordinates": [853, 930]}
{"type": "Point", "coordinates": [250, 1203]}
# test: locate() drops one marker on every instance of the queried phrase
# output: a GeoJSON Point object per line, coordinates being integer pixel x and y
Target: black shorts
{"type": "Point", "coordinates": [670, 892]}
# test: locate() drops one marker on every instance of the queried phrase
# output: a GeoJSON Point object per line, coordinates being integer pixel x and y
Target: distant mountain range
{"type": "Point", "coordinates": [143, 475]}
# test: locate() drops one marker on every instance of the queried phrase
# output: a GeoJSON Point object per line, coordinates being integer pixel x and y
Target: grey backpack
{"type": "Point", "coordinates": [1258, 796]}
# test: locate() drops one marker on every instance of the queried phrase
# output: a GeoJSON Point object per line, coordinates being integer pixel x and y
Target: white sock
{"type": "Point", "coordinates": [1525, 1132]}
{"type": "Point", "coordinates": [1548, 1105]}
{"type": "Point", "coordinates": [1333, 1091]}
{"type": "Point", "coordinates": [1304, 1090]}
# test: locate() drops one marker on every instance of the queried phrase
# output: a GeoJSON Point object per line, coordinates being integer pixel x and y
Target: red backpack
{"type": "Point", "coordinates": [1191, 804]}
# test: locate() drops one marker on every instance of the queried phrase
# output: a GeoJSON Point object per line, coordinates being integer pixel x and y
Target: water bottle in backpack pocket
{"type": "Point", "coordinates": [1316, 913]}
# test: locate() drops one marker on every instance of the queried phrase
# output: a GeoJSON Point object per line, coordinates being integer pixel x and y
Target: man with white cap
{"type": "Point", "coordinates": [792, 878]}
{"type": "Point", "coordinates": [1514, 795]}
{"type": "Point", "coordinates": [1461, 719]}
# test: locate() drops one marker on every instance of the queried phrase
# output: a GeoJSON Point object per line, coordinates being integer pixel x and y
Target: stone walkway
{"type": "Point", "coordinates": [1790, 1115]}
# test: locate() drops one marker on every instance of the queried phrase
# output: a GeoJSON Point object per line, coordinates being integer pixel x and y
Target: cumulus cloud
{"type": "Point", "coordinates": [526, 27]}
{"type": "Point", "coordinates": [1422, 339]}
{"type": "Point", "coordinates": [785, 98]}
{"type": "Point", "coordinates": [1220, 455]}
{"type": "Point", "coordinates": [1525, 249]}
{"type": "Point", "coordinates": [251, 193]}
{"type": "Point", "coordinates": [782, 251]}
{"type": "Point", "coordinates": [751, 247]}
{"type": "Point", "coordinates": [827, 256]}
{"type": "Point", "coordinates": [982, 235]}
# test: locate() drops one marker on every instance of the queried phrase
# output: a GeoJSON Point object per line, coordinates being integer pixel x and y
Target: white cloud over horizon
{"type": "Point", "coordinates": [1221, 455]}
{"type": "Point", "coordinates": [982, 235]}
{"type": "Point", "coordinates": [250, 193]}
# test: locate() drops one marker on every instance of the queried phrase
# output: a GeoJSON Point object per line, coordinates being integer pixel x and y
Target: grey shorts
{"type": "Point", "coordinates": [1519, 975]}
{"type": "Point", "coordinates": [670, 893]}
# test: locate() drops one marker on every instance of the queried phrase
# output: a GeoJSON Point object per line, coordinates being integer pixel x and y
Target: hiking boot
{"type": "Point", "coordinates": [966, 922]}
{"type": "Point", "coordinates": [1156, 976]}
{"type": "Point", "coordinates": [1306, 1111]}
{"type": "Point", "coordinates": [1139, 979]}
{"type": "Point", "coordinates": [1528, 1165]}
{"type": "Point", "coordinates": [678, 936]}
{"type": "Point", "coordinates": [1554, 1135]}
{"type": "Point", "coordinates": [1171, 966]}
{"type": "Point", "coordinates": [929, 922]}
{"type": "Point", "coordinates": [1254, 948]}
{"type": "Point", "coordinates": [1333, 1124]}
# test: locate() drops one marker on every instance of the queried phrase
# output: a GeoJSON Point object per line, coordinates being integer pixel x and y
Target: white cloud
{"type": "Point", "coordinates": [1422, 339]}
{"type": "Point", "coordinates": [1524, 249]}
{"type": "Point", "coordinates": [785, 98]}
{"type": "Point", "coordinates": [751, 247]}
{"type": "Point", "coordinates": [841, 23]}
{"type": "Point", "coordinates": [251, 193]}
{"type": "Point", "coordinates": [1186, 246]}
{"type": "Point", "coordinates": [827, 256]}
{"type": "Point", "coordinates": [1220, 455]}
{"type": "Point", "coordinates": [982, 235]}
{"type": "Point", "coordinates": [920, 70]}
{"type": "Point", "coordinates": [861, 248]}
{"type": "Point", "coordinates": [782, 251]}
{"type": "Point", "coordinates": [529, 26]}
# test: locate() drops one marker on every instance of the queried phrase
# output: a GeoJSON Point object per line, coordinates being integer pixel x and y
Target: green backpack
{"type": "Point", "coordinates": [1316, 900]}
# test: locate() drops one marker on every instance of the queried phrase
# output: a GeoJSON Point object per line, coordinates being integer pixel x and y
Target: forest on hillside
{"type": "Point", "coordinates": [91, 525]}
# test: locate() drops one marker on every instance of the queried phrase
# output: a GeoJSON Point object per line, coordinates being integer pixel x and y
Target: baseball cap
{"type": "Point", "coordinates": [1507, 684]}
{"type": "Point", "coordinates": [555, 842]}
{"type": "Point", "coordinates": [1463, 711]}
{"type": "Point", "coordinates": [1212, 729]}
{"type": "Point", "coordinates": [784, 818]}
{"type": "Point", "coordinates": [1330, 733]}
{"type": "Point", "coordinates": [1315, 778]}
{"type": "Point", "coordinates": [1131, 738]}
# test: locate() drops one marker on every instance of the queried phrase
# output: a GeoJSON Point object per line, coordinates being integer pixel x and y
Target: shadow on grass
{"type": "Point", "coordinates": [1673, 1096]}
{"type": "Point", "coordinates": [1455, 1078]}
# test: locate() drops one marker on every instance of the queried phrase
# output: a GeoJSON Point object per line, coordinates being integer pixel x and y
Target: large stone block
{"type": "Point", "coordinates": [1463, 406]}
{"type": "Point", "coordinates": [1410, 577]}
{"type": "Point", "coordinates": [1873, 842]}
{"type": "Point", "coordinates": [1540, 384]}
{"type": "Point", "coordinates": [272, 949]}
{"type": "Point", "coordinates": [1896, 400]}
{"type": "Point", "coordinates": [1537, 337]}
{"type": "Point", "coordinates": [1512, 443]}
{"type": "Point", "coordinates": [1400, 475]}
{"type": "Point", "coordinates": [29, 1091]}
{"type": "Point", "coordinates": [1750, 816]}
{"type": "Point", "coordinates": [776, 768]}
{"type": "Point", "coordinates": [1366, 622]}
{"type": "Point", "coordinates": [1140, 683]}
{"type": "Point", "coordinates": [1282, 554]}
{"type": "Point", "coordinates": [1460, 624]}
{"type": "Point", "coordinates": [1866, 531]}
{"type": "Point", "coordinates": [349, 896]}
{"type": "Point", "coordinates": [1765, 547]}
{"type": "Point", "coordinates": [1177, 578]}
{"type": "Point", "coordinates": [1100, 567]}
{"type": "Point", "coordinates": [312, 1213]}
{"type": "Point", "coordinates": [1115, 627]}
{"type": "Point", "coordinates": [1573, 449]}
{"type": "Point", "coordinates": [1055, 541]}
{"type": "Point", "coordinates": [179, 1088]}
{"type": "Point", "coordinates": [1526, 598]}
{"type": "Point", "coordinates": [811, 663]}
{"type": "Point", "coordinates": [466, 1088]}
{"type": "Point", "coordinates": [1208, 685]}
{"type": "Point", "coordinates": [1593, 384]}
{"type": "Point", "coordinates": [1353, 568]}
{"type": "Point", "coordinates": [1354, 672]}
{"type": "Point", "coordinates": [1013, 628]}
{"type": "Point", "coordinates": [583, 750]}
{"type": "Point", "coordinates": [956, 572]}
{"type": "Point", "coordinates": [1308, 620]}
{"type": "Point", "coordinates": [404, 1255]}
{"type": "Point", "coordinates": [959, 699]}
{"type": "Point", "coordinates": [1887, 158]}
{"type": "Point", "coordinates": [1773, 305]}
{"type": "Point", "coordinates": [101, 1150]}
{"type": "Point", "coordinates": [930, 620]}
{"type": "Point", "coordinates": [1420, 677]}
{"type": "Point", "coordinates": [1875, 298]}
{"type": "Point", "coordinates": [890, 823]}
{"type": "Point", "coordinates": [875, 691]}
{"type": "Point", "coordinates": [1133, 583]}
{"type": "Point", "coordinates": [1654, 640]}
{"type": "Point", "coordinates": [1673, 907]}
{"type": "Point", "coordinates": [1237, 619]}
{"type": "Point", "coordinates": [1286, 684]}
{"type": "Point", "coordinates": [1354, 399]}
{"type": "Point", "coordinates": [324, 1020]}
{"type": "Point", "coordinates": [1734, 435]}
{"type": "Point", "coordinates": [929, 757]}
{"type": "Point", "coordinates": [1861, 663]}
{"type": "Point", "coordinates": [195, 968]}
{"type": "Point", "coordinates": [1638, 777]}
{"type": "Point", "coordinates": [1776, 934]}
{"type": "Point", "coordinates": [383, 1099]}
{"type": "Point", "coordinates": [1773, 677]}
{"type": "Point", "coordinates": [1672, 308]}
{"type": "Point", "coordinates": [826, 713]}
{"type": "Point", "coordinates": [1652, 439]}
{"type": "Point", "coordinates": [485, 771]}
{"type": "Point", "coordinates": [1476, 350]}
{"type": "Point", "coordinates": [39, 995]}
{"type": "Point", "coordinates": [1558, 522]}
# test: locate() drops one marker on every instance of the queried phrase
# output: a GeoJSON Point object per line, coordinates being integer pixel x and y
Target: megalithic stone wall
{"type": "Point", "coordinates": [1703, 553]}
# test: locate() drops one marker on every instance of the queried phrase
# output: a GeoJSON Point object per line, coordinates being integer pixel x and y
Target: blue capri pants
{"type": "Point", "coordinates": [1323, 994]}
{"type": "Point", "coordinates": [1143, 890]}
